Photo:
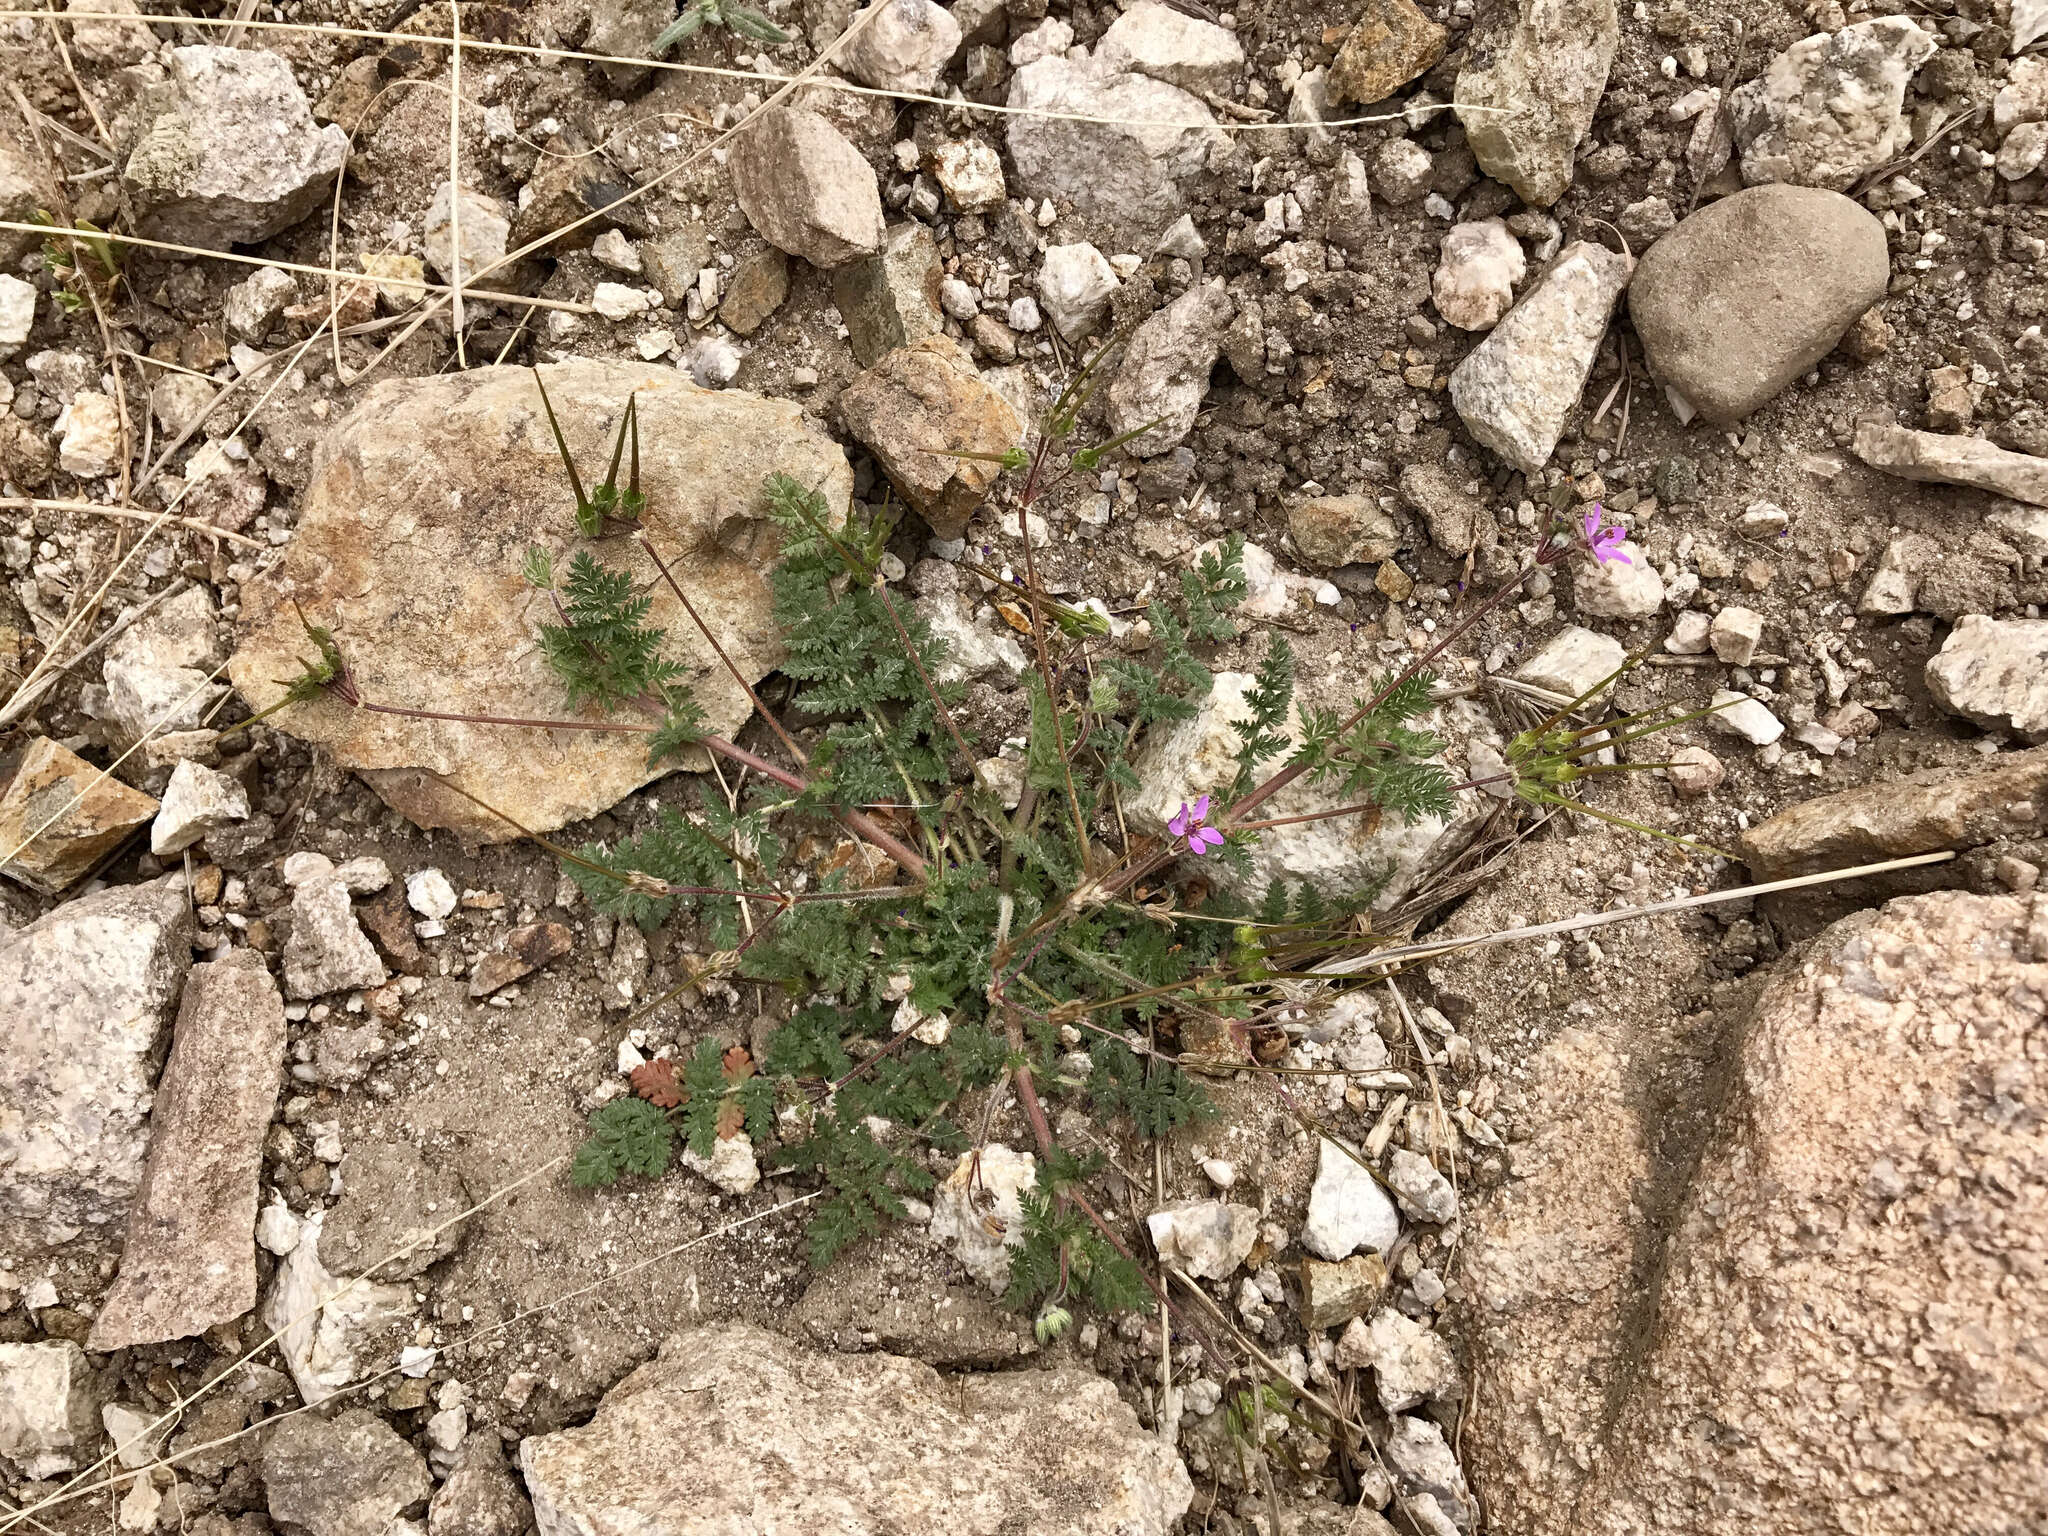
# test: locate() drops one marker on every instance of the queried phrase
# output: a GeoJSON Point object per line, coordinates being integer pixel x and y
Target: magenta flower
{"type": "Point", "coordinates": [1605, 543]}
{"type": "Point", "coordinates": [1189, 824]}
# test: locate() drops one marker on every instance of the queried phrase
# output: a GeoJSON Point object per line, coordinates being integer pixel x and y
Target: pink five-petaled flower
{"type": "Point", "coordinates": [1188, 824]}
{"type": "Point", "coordinates": [1605, 543]}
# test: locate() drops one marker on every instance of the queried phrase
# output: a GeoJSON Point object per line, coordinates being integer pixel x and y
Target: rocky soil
{"type": "Point", "coordinates": [1732, 1213]}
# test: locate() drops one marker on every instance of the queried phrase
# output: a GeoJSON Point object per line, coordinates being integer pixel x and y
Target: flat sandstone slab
{"type": "Point", "coordinates": [423, 503]}
{"type": "Point", "coordinates": [190, 1258]}
{"type": "Point", "coordinates": [1935, 809]}
{"type": "Point", "coordinates": [800, 1442]}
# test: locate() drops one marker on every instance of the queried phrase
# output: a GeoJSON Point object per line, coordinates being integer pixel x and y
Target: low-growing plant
{"type": "Point", "coordinates": [696, 15]}
{"type": "Point", "coordinates": [1040, 943]}
{"type": "Point", "coordinates": [82, 258]}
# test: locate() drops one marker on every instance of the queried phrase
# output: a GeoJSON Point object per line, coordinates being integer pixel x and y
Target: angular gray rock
{"type": "Point", "coordinates": [1165, 370]}
{"type": "Point", "coordinates": [1995, 672]}
{"type": "Point", "coordinates": [627, 31]}
{"type": "Point", "coordinates": [190, 1257]}
{"type": "Point", "coordinates": [1529, 89]}
{"type": "Point", "coordinates": [1922, 812]}
{"type": "Point", "coordinates": [101, 36]}
{"type": "Point", "coordinates": [1829, 108]}
{"type": "Point", "coordinates": [1347, 1209]}
{"type": "Point", "coordinates": [1573, 662]}
{"type": "Point", "coordinates": [481, 1496]}
{"type": "Point", "coordinates": [332, 1327]}
{"type": "Point", "coordinates": [1424, 1465]}
{"type": "Point", "coordinates": [1894, 586]}
{"type": "Point", "coordinates": [1943, 458]}
{"type": "Point", "coordinates": [1737, 714]}
{"type": "Point", "coordinates": [49, 1410]}
{"type": "Point", "coordinates": [1422, 1192]}
{"type": "Point", "coordinates": [24, 187]}
{"type": "Point", "coordinates": [252, 306]}
{"type": "Point", "coordinates": [87, 992]}
{"type": "Point", "coordinates": [1126, 176]}
{"type": "Point", "coordinates": [1401, 170]}
{"type": "Point", "coordinates": [1171, 45]}
{"type": "Point", "coordinates": [432, 610]}
{"type": "Point", "coordinates": [351, 1475]}
{"type": "Point", "coordinates": [328, 950]}
{"type": "Point", "coordinates": [1338, 853]}
{"type": "Point", "coordinates": [1347, 204]}
{"type": "Point", "coordinates": [1410, 1361]}
{"type": "Point", "coordinates": [1751, 291]}
{"type": "Point", "coordinates": [1515, 389]}
{"type": "Point", "coordinates": [478, 221]}
{"type": "Point", "coordinates": [810, 1442]}
{"type": "Point", "coordinates": [156, 669]}
{"type": "Point", "coordinates": [891, 299]}
{"type": "Point", "coordinates": [1626, 587]}
{"type": "Point", "coordinates": [392, 1197]}
{"type": "Point", "coordinates": [805, 189]}
{"type": "Point", "coordinates": [225, 150]}
{"type": "Point", "coordinates": [1075, 284]}
{"type": "Point", "coordinates": [17, 311]}
{"type": "Point", "coordinates": [198, 800]}
{"type": "Point", "coordinates": [906, 48]}
{"type": "Point", "coordinates": [1206, 1239]}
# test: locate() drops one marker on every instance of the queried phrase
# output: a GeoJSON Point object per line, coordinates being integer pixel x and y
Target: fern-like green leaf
{"type": "Point", "coordinates": [604, 652]}
{"type": "Point", "coordinates": [626, 1136]}
{"type": "Point", "coordinates": [675, 851]}
{"type": "Point", "coordinates": [1263, 734]}
{"type": "Point", "coordinates": [1158, 1103]}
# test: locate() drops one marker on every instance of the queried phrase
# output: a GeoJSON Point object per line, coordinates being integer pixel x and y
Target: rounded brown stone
{"type": "Point", "coordinates": [1749, 292]}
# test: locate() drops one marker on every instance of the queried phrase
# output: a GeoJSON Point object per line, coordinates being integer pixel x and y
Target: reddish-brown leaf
{"type": "Point", "coordinates": [731, 1119]}
{"type": "Point", "coordinates": [655, 1081]}
{"type": "Point", "coordinates": [738, 1065]}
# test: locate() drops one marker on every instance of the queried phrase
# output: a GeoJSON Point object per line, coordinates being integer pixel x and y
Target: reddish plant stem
{"type": "Point", "coordinates": [908, 859]}
{"type": "Point", "coordinates": [860, 1067]}
{"type": "Point", "coordinates": [775, 725]}
{"type": "Point", "coordinates": [1045, 669]}
{"type": "Point", "coordinates": [541, 725]}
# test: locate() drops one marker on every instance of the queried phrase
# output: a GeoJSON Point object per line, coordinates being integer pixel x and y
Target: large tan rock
{"type": "Point", "coordinates": [1852, 1330]}
{"type": "Point", "coordinates": [803, 1443]}
{"type": "Point", "coordinates": [1848, 1335]}
{"type": "Point", "coordinates": [190, 1257]}
{"type": "Point", "coordinates": [1923, 812]}
{"type": "Point", "coordinates": [59, 815]}
{"type": "Point", "coordinates": [806, 190]}
{"type": "Point", "coordinates": [422, 505]}
{"type": "Point", "coordinates": [925, 396]}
